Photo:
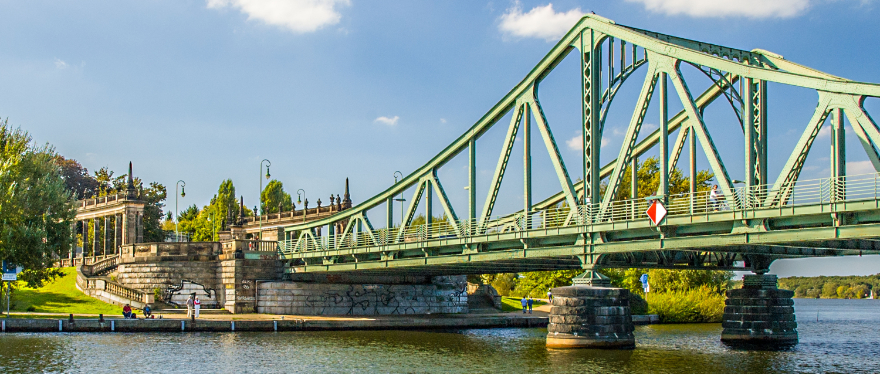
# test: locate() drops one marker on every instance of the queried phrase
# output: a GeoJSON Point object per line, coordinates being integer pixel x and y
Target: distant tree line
{"type": "Point", "coordinates": [849, 287]}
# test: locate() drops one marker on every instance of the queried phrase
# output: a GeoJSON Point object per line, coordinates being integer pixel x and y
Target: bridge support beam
{"type": "Point", "coordinates": [590, 314]}
{"type": "Point", "coordinates": [759, 315]}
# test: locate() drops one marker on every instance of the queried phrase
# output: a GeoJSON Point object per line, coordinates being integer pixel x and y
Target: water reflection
{"type": "Point", "coordinates": [846, 344]}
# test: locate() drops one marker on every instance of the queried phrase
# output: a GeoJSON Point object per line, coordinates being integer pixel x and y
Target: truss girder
{"type": "Point", "coordinates": [662, 55]}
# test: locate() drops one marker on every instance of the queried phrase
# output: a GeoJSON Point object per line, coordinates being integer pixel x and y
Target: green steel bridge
{"type": "Point", "coordinates": [586, 225]}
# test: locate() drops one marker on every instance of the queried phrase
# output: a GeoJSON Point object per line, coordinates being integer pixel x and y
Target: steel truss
{"type": "Point", "coordinates": [582, 227]}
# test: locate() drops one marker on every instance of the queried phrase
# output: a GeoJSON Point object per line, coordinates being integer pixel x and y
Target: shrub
{"type": "Point", "coordinates": [31, 309]}
{"type": "Point", "coordinates": [157, 293]}
{"type": "Point", "coordinates": [697, 305]}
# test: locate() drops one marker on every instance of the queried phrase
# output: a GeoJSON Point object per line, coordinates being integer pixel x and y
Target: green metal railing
{"type": "Point", "coordinates": [807, 192]}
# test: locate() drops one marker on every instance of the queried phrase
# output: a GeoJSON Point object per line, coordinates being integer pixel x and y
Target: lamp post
{"type": "Point", "coordinates": [260, 198]}
{"type": "Point", "coordinates": [301, 193]}
{"type": "Point", "coordinates": [182, 185]}
{"type": "Point", "coordinates": [213, 227]}
{"type": "Point", "coordinates": [401, 199]}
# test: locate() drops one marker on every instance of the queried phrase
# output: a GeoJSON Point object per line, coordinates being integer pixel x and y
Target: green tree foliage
{"type": "Point", "coordinates": [839, 287]}
{"type": "Point", "coordinates": [536, 284]}
{"type": "Point", "coordinates": [202, 224]}
{"type": "Point", "coordinates": [224, 202]}
{"type": "Point", "coordinates": [274, 198]}
{"type": "Point", "coordinates": [663, 280]}
{"type": "Point", "coordinates": [36, 208]}
{"type": "Point", "coordinates": [77, 179]}
{"type": "Point", "coordinates": [504, 283]}
{"type": "Point", "coordinates": [649, 180]}
{"type": "Point", "coordinates": [154, 199]}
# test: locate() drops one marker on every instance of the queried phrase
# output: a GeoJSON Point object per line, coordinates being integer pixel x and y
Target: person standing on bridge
{"type": "Point", "coordinates": [524, 303]}
{"type": "Point", "coordinates": [198, 305]}
{"type": "Point", "coordinates": [189, 306]}
{"type": "Point", "coordinates": [715, 198]}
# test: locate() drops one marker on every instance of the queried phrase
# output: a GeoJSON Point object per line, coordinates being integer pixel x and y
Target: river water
{"type": "Point", "coordinates": [846, 339]}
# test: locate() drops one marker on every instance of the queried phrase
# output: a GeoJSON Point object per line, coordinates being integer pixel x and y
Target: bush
{"type": "Point", "coordinates": [637, 305]}
{"type": "Point", "coordinates": [31, 309]}
{"type": "Point", "coordinates": [697, 305]}
{"type": "Point", "coordinates": [157, 293]}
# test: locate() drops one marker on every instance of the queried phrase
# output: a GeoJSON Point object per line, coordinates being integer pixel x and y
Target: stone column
{"type": "Point", "coordinates": [590, 314]}
{"type": "Point", "coordinates": [85, 238]}
{"type": "Point", "coordinates": [116, 234]}
{"type": "Point", "coordinates": [759, 314]}
{"type": "Point", "coordinates": [94, 238]}
{"type": "Point", "coordinates": [140, 227]}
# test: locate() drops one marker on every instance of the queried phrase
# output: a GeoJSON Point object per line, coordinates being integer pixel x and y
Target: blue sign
{"type": "Point", "coordinates": [8, 267]}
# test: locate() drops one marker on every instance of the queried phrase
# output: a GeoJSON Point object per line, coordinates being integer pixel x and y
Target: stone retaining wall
{"type": "Point", "coordinates": [442, 295]}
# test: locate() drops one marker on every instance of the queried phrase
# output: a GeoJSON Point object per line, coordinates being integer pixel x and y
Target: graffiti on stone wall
{"type": "Point", "coordinates": [389, 299]}
{"type": "Point", "coordinates": [177, 294]}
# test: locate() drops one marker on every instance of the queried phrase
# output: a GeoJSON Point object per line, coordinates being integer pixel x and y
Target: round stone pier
{"type": "Point", "coordinates": [590, 317]}
{"type": "Point", "coordinates": [759, 315]}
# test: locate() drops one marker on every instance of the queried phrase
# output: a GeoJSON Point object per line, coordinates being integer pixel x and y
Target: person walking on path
{"type": "Point", "coordinates": [530, 304]}
{"type": "Point", "coordinates": [189, 307]}
{"type": "Point", "coordinates": [524, 303]}
{"type": "Point", "coordinates": [198, 304]}
{"type": "Point", "coordinates": [549, 296]}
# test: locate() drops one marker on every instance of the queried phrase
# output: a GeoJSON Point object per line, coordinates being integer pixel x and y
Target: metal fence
{"type": "Point", "coordinates": [806, 192]}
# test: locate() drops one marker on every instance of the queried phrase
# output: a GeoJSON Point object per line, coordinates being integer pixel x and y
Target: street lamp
{"type": "Point", "coordinates": [182, 185]}
{"type": "Point", "coordinates": [401, 199]}
{"type": "Point", "coordinates": [213, 227]}
{"type": "Point", "coordinates": [300, 193]}
{"type": "Point", "coordinates": [260, 197]}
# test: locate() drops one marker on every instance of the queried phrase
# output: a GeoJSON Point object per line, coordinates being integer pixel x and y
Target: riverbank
{"type": "Point", "coordinates": [265, 324]}
{"type": "Point", "coordinates": [256, 322]}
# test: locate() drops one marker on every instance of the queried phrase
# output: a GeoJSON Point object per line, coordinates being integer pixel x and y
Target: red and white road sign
{"type": "Point", "coordinates": [656, 212]}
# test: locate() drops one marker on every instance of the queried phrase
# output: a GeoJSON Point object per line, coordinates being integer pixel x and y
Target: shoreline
{"type": "Point", "coordinates": [296, 323]}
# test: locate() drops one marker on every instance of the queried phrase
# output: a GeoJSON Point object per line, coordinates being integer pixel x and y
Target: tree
{"type": "Point", "coordinates": [649, 180]}
{"type": "Point", "coordinates": [537, 283]}
{"type": "Point", "coordinates": [224, 203]}
{"type": "Point", "coordinates": [36, 208]}
{"type": "Point", "coordinates": [154, 199]}
{"type": "Point", "coordinates": [77, 179]}
{"type": "Point", "coordinates": [273, 197]}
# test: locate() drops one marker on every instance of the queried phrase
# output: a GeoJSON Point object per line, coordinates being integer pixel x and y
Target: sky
{"type": "Point", "coordinates": [202, 91]}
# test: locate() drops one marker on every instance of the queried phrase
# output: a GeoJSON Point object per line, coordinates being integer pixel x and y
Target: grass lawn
{"type": "Point", "coordinates": [60, 296]}
{"type": "Point", "coordinates": [513, 304]}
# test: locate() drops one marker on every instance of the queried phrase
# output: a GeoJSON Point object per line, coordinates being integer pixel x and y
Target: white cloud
{"type": "Point", "coordinates": [577, 142]}
{"type": "Point", "coordinates": [728, 8]}
{"type": "Point", "coordinates": [390, 121]}
{"type": "Point", "coordinates": [443, 120]}
{"type": "Point", "coordinates": [540, 22]}
{"type": "Point", "coordinates": [299, 16]}
{"type": "Point", "coordinates": [60, 64]}
{"type": "Point", "coordinates": [859, 167]}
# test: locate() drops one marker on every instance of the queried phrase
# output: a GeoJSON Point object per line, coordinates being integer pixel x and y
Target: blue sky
{"type": "Point", "coordinates": [328, 89]}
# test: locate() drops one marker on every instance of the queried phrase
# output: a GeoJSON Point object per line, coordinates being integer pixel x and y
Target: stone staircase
{"type": "Point", "coordinates": [91, 280]}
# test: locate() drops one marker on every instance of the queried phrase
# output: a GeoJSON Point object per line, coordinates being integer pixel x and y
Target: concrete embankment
{"type": "Point", "coordinates": [178, 325]}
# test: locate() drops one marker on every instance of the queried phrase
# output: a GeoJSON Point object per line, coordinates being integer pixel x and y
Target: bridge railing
{"type": "Point", "coordinates": [806, 192]}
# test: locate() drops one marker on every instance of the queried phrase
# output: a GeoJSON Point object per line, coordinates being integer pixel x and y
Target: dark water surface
{"type": "Point", "coordinates": [846, 339]}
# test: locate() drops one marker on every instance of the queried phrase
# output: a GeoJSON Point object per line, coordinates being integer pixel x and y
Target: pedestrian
{"type": "Point", "coordinates": [530, 304]}
{"type": "Point", "coordinates": [189, 306]}
{"type": "Point", "coordinates": [524, 303]}
{"type": "Point", "coordinates": [549, 296]}
{"type": "Point", "coordinates": [198, 304]}
{"type": "Point", "coordinates": [715, 197]}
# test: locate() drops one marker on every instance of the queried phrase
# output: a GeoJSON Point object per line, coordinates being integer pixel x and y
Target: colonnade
{"type": "Point", "coordinates": [119, 228]}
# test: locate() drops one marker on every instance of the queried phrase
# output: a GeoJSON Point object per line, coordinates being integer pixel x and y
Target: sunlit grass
{"type": "Point", "coordinates": [60, 296]}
